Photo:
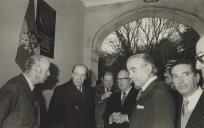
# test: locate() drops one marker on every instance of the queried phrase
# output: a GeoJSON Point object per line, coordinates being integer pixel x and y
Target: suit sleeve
{"type": "Point", "coordinates": [163, 110]}
{"type": "Point", "coordinates": [55, 109]}
{"type": "Point", "coordinates": [108, 109]}
{"type": "Point", "coordinates": [132, 104]}
{"type": "Point", "coordinates": [8, 100]}
{"type": "Point", "coordinates": [98, 94]}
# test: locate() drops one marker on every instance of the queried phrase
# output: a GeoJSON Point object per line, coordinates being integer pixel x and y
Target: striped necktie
{"type": "Point", "coordinates": [185, 109]}
{"type": "Point", "coordinates": [123, 98]}
{"type": "Point", "coordinates": [139, 94]}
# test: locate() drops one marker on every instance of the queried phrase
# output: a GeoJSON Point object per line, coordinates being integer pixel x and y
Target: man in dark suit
{"type": "Point", "coordinates": [72, 104]}
{"type": "Point", "coordinates": [155, 105]}
{"type": "Point", "coordinates": [191, 112]}
{"type": "Point", "coordinates": [103, 91]}
{"type": "Point", "coordinates": [18, 106]}
{"type": "Point", "coordinates": [121, 104]}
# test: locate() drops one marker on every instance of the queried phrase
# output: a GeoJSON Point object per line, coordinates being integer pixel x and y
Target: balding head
{"type": "Point", "coordinates": [37, 69]}
{"type": "Point", "coordinates": [79, 74]}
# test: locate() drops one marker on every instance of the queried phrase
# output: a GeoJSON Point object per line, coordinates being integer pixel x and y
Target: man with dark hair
{"type": "Point", "coordinates": [18, 105]}
{"type": "Point", "coordinates": [185, 78]}
{"type": "Point", "coordinates": [121, 104]}
{"type": "Point", "coordinates": [103, 92]}
{"type": "Point", "coordinates": [72, 104]}
{"type": "Point", "coordinates": [155, 104]}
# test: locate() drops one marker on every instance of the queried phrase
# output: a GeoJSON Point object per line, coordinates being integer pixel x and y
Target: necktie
{"type": "Point", "coordinates": [185, 109]}
{"type": "Point", "coordinates": [107, 90]}
{"type": "Point", "coordinates": [123, 98]}
{"type": "Point", "coordinates": [80, 88]}
{"type": "Point", "coordinates": [139, 94]}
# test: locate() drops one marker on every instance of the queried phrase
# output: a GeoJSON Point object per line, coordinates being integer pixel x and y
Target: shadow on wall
{"type": "Point", "coordinates": [49, 84]}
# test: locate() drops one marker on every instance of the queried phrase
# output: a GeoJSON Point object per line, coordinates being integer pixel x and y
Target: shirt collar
{"type": "Point", "coordinates": [148, 82]}
{"type": "Point", "coordinates": [127, 91]}
{"type": "Point", "coordinates": [193, 99]}
{"type": "Point", "coordinates": [29, 82]}
{"type": "Point", "coordinates": [107, 89]}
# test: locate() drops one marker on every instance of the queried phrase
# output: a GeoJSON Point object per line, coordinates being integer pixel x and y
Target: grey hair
{"type": "Point", "coordinates": [31, 61]}
{"type": "Point", "coordinates": [147, 59]}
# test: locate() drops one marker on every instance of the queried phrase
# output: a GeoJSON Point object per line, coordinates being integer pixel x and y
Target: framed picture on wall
{"type": "Point", "coordinates": [45, 23]}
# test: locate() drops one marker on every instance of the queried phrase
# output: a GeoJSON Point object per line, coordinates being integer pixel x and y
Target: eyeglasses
{"type": "Point", "coordinates": [200, 57]}
{"type": "Point", "coordinates": [119, 79]}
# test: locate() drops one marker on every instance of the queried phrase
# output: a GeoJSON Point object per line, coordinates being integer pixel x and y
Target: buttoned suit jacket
{"type": "Point", "coordinates": [17, 107]}
{"type": "Point", "coordinates": [114, 105]}
{"type": "Point", "coordinates": [155, 108]}
{"type": "Point", "coordinates": [196, 120]}
{"type": "Point", "coordinates": [70, 108]}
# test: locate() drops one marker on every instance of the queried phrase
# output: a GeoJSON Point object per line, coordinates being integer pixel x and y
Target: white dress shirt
{"type": "Point", "coordinates": [193, 99]}
{"type": "Point", "coordinates": [29, 82]}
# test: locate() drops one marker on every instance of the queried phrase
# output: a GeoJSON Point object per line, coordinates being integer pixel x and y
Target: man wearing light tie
{"type": "Point", "coordinates": [155, 106]}
{"type": "Point", "coordinates": [185, 78]}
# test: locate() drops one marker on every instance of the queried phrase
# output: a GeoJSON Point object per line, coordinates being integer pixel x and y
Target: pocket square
{"type": "Point", "coordinates": [140, 106]}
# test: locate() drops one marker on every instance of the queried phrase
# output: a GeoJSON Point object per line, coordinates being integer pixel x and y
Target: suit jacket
{"type": "Point", "coordinates": [114, 105]}
{"type": "Point", "coordinates": [70, 108]}
{"type": "Point", "coordinates": [17, 107]}
{"type": "Point", "coordinates": [155, 108]}
{"type": "Point", "coordinates": [100, 105]}
{"type": "Point", "coordinates": [196, 119]}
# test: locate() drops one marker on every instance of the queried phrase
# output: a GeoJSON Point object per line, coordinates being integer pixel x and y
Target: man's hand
{"type": "Point", "coordinates": [118, 118]}
{"type": "Point", "coordinates": [106, 95]}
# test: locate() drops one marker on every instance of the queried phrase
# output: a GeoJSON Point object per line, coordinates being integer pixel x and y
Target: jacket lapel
{"type": "Point", "coordinates": [148, 90]}
{"type": "Point", "coordinates": [26, 87]}
{"type": "Point", "coordinates": [128, 96]}
{"type": "Point", "coordinates": [178, 122]}
{"type": "Point", "coordinates": [76, 92]}
{"type": "Point", "coordinates": [197, 112]}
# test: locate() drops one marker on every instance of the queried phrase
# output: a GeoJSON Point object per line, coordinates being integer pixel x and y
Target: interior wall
{"type": "Point", "coordinates": [11, 19]}
{"type": "Point", "coordinates": [68, 37]}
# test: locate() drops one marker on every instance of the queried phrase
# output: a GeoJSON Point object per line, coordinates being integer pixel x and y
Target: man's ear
{"type": "Point", "coordinates": [37, 68]}
{"type": "Point", "coordinates": [101, 78]}
{"type": "Point", "coordinates": [149, 68]}
{"type": "Point", "coordinates": [197, 77]}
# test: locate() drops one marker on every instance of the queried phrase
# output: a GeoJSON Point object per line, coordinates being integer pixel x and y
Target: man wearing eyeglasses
{"type": "Point", "coordinates": [200, 55]}
{"type": "Point", "coordinates": [121, 104]}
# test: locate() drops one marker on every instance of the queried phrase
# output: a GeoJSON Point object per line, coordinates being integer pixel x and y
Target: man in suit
{"type": "Point", "coordinates": [200, 55]}
{"type": "Point", "coordinates": [72, 104]}
{"type": "Point", "coordinates": [103, 91]}
{"type": "Point", "coordinates": [155, 104]}
{"type": "Point", "coordinates": [18, 106]}
{"type": "Point", "coordinates": [185, 78]}
{"type": "Point", "coordinates": [121, 104]}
